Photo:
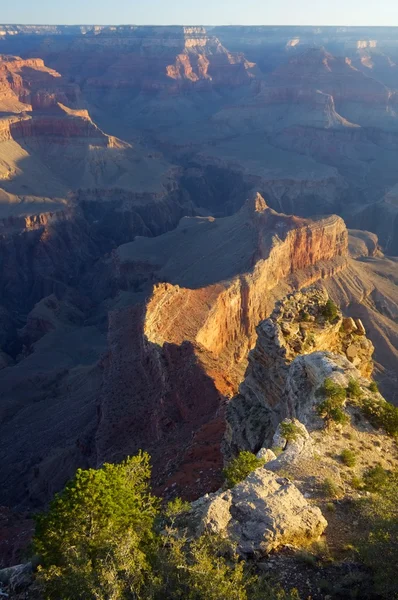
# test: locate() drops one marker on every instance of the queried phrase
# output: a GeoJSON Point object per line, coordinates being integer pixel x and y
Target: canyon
{"type": "Point", "coordinates": [161, 188]}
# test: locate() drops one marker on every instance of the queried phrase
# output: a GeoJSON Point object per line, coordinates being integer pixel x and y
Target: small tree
{"type": "Point", "coordinates": [331, 409]}
{"type": "Point", "coordinates": [241, 466]}
{"type": "Point", "coordinates": [330, 311]}
{"type": "Point", "coordinates": [290, 431]}
{"type": "Point", "coordinates": [354, 389]}
{"type": "Point", "coordinates": [94, 539]}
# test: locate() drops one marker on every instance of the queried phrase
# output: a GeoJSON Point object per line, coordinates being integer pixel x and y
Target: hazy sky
{"type": "Point", "coordinates": [209, 12]}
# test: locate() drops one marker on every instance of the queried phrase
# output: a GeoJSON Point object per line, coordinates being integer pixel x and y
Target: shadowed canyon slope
{"type": "Point", "coordinates": [149, 179]}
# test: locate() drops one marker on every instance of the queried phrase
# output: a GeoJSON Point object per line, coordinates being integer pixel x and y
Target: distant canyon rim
{"type": "Point", "coordinates": [160, 189]}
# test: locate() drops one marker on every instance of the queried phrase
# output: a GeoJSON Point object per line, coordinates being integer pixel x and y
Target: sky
{"type": "Point", "coordinates": [207, 12]}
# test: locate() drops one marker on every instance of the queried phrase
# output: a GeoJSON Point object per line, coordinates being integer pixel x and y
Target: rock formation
{"type": "Point", "coordinates": [263, 513]}
{"type": "Point", "coordinates": [288, 361]}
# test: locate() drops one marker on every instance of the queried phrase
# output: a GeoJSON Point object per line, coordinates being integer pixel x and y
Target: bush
{"type": "Point", "coordinates": [357, 483]}
{"type": "Point", "coordinates": [290, 431]}
{"type": "Point", "coordinates": [330, 311]}
{"type": "Point", "coordinates": [354, 389]}
{"type": "Point", "coordinates": [381, 414]}
{"type": "Point", "coordinates": [378, 547]}
{"type": "Point", "coordinates": [94, 540]}
{"type": "Point", "coordinates": [331, 507]}
{"type": "Point", "coordinates": [374, 387]}
{"type": "Point", "coordinates": [348, 457]}
{"type": "Point", "coordinates": [330, 489]}
{"type": "Point", "coordinates": [176, 507]}
{"type": "Point", "coordinates": [375, 479]}
{"type": "Point", "coordinates": [331, 409]}
{"type": "Point", "coordinates": [241, 466]}
{"type": "Point", "coordinates": [99, 541]}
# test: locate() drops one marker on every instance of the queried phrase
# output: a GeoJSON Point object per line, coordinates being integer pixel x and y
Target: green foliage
{"type": "Point", "coordinates": [381, 414]}
{"type": "Point", "coordinates": [354, 389]}
{"type": "Point", "coordinates": [348, 457]}
{"type": "Point", "coordinates": [241, 466]}
{"type": "Point", "coordinates": [94, 539]}
{"type": "Point", "coordinates": [374, 387]}
{"type": "Point", "coordinates": [357, 483]}
{"type": "Point", "coordinates": [330, 489]}
{"type": "Point", "coordinates": [98, 541]}
{"type": "Point", "coordinates": [199, 570]}
{"type": "Point", "coordinates": [290, 431]}
{"type": "Point", "coordinates": [176, 507]}
{"type": "Point", "coordinates": [330, 311]}
{"type": "Point", "coordinates": [331, 409]}
{"type": "Point", "coordinates": [375, 479]}
{"type": "Point", "coordinates": [378, 548]}
{"type": "Point", "coordinates": [330, 507]}
{"type": "Point", "coordinates": [305, 316]}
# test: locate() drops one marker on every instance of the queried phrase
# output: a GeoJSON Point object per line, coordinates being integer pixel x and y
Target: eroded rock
{"type": "Point", "coordinates": [260, 514]}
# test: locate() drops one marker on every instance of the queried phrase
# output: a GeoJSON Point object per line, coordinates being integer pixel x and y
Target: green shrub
{"type": "Point", "coordinates": [331, 507]}
{"type": "Point", "coordinates": [330, 489]}
{"type": "Point", "coordinates": [99, 541]}
{"type": "Point", "coordinates": [331, 409]}
{"type": "Point", "coordinates": [330, 311]}
{"type": "Point", "coordinates": [381, 414]}
{"type": "Point", "coordinates": [290, 431]}
{"type": "Point", "coordinates": [357, 483]}
{"type": "Point", "coordinates": [378, 548]}
{"type": "Point", "coordinates": [241, 466]}
{"type": "Point", "coordinates": [348, 457]}
{"type": "Point", "coordinates": [176, 507]}
{"type": "Point", "coordinates": [375, 479]}
{"type": "Point", "coordinates": [354, 389]}
{"type": "Point", "coordinates": [94, 539]}
{"type": "Point", "coordinates": [374, 387]}
{"type": "Point", "coordinates": [305, 316]}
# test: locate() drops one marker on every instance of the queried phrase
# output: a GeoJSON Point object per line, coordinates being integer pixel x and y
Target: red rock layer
{"type": "Point", "coordinates": [174, 361]}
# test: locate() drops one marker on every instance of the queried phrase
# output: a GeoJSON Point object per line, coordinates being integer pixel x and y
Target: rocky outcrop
{"type": "Point", "coordinates": [262, 513]}
{"type": "Point", "coordinates": [27, 84]}
{"type": "Point", "coordinates": [293, 340]}
{"type": "Point", "coordinates": [173, 360]}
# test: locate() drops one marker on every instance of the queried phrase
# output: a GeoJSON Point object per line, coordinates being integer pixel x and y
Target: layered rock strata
{"type": "Point", "coordinates": [174, 360]}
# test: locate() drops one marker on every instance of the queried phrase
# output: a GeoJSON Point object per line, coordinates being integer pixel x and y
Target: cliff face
{"type": "Point", "coordinates": [174, 360]}
{"type": "Point", "coordinates": [27, 84]}
{"type": "Point", "coordinates": [298, 326]}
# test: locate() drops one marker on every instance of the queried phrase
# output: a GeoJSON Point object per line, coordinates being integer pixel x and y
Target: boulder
{"type": "Point", "coordinates": [18, 577]}
{"type": "Point", "coordinates": [260, 514]}
{"type": "Point", "coordinates": [349, 325]}
{"type": "Point", "coordinates": [360, 327]}
{"type": "Point", "coordinates": [266, 454]}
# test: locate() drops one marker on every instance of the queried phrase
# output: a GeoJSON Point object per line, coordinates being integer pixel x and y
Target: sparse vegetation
{"type": "Point", "coordinates": [381, 414]}
{"type": "Point", "coordinates": [305, 316]}
{"type": "Point", "coordinates": [331, 409]}
{"type": "Point", "coordinates": [375, 479]}
{"type": "Point", "coordinates": [357, 483]}
{"type": "Point", "coordinates": [378, 547]}
{"type": "Point", "coordinates": [354, 389]}
{"type": "Point", "coordinates": [176, 507]}
{"type": "Point", "coordinates": [330, 311]}
{"type": "Point", "coordinates": [290, 431]}
{"type": "Point", "coordinates": [374, 387]}
{"type": "Point", "coordinates": [330, 489]}
{"type": "Point", "coordinates": [241, 466]}
{"type": "Point", "coordinates": [330, 507]}
{"type": "Point", "coordinates": [348, 457]}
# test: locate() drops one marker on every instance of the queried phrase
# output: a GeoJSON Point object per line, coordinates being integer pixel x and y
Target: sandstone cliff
{"type": "Point", "coordinates": [173, 360]}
